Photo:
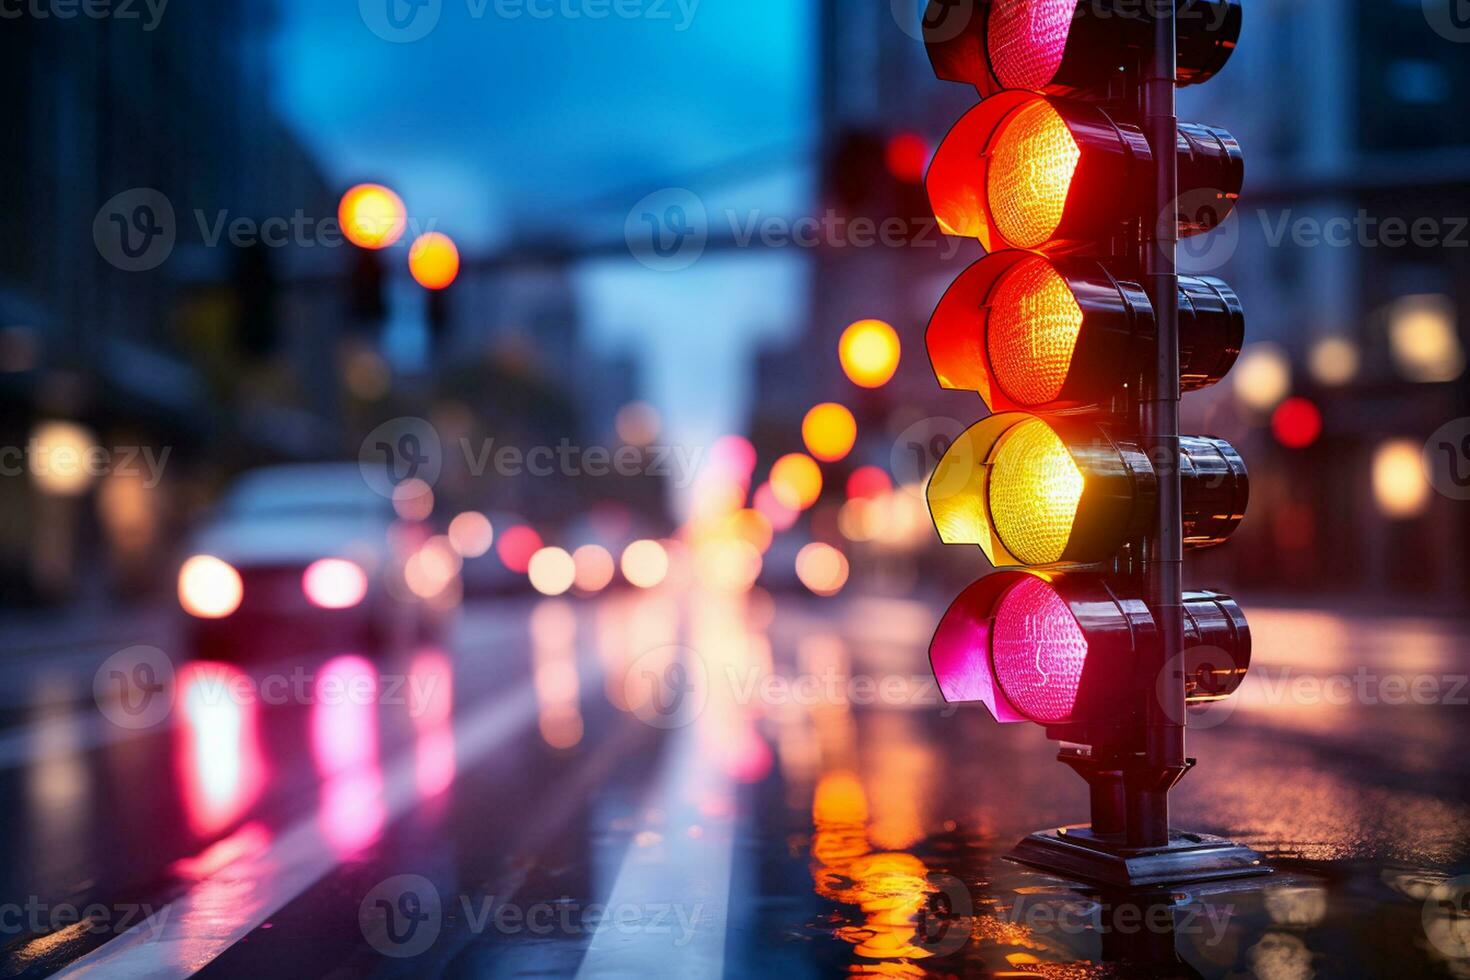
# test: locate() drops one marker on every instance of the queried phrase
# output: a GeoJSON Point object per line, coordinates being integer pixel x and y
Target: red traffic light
{"type": "Point", "coordinates": [1027, 171]}
{"type": "Point", "coordinates": [1064, 649]}
{"type": "Point", "coordinates": [1032, 332]}
{"type": "Point", "coordinates": [1069, 47]}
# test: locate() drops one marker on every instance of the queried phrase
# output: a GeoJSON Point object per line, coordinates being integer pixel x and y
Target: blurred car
{"type": "Point", "coordinates": [297, 555]}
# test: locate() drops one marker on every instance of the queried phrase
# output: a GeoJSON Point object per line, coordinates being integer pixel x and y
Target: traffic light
{"type": "Point", "coordinates": [1080, 336]}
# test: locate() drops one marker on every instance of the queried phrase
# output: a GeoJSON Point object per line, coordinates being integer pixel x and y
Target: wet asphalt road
{"type": "Point", "coordinates": [687, 785]}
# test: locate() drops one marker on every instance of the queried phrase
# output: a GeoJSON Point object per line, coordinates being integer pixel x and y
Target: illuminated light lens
{"type": "Point", "coordinates": [829, 431]}
{"type": "Point", "coordinates": [1035, 487]}
{"type": "Point", "coordinates": [1027, 40]}
{"type": "Point", "coordinates": [334, 583]}
{"type": "Point", "coordinates": [869, 351]}
{"type": "Point", "coordinates": [209, 588]}
{"type": "Point", "coordinates": [433, 260]}
{"type": "Point", "coordinates": [372, 216]}
{"type": "Point", "coordinates": [1038, 650]}
{"type": "Point", "coordinates": [1031, 332]}
{"type": "Point", "coordinates": [1033, 160]}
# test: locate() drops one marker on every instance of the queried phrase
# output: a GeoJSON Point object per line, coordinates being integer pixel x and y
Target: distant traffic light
{"type": "Point", "coordinates": [1078, 333]}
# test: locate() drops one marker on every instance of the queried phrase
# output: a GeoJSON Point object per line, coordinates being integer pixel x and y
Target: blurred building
{"type": "Point", "coordinates": [1346, 112]}
{"type": "Point", "coordinates": [166, 353]}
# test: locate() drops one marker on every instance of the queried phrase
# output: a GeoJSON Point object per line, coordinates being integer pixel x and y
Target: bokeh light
{"type": "Point", "coordinates": [796, 481]}
{"type": "Point", "coordinates": [645, 564]}
{"type": "Point", "coordinates": [829, 431]}
{"type": "Point", "coordinates": [869, 351]}
{"type": "Point", "coordinates": [209, 587]}
{"type": "Point", "coordinates": [433, 260]}
{"type": "Point", "coordinates": [907, 156]}
{"type": "Point", "coordinates": [638, 424]}
{"type": "Point", "coordinates": [372, 216]}
{"type": "Point", "coordinates": [822, 568]}
{"type": "Point", "coordinates": [1422, 337]}
{"type": "Point", "coordinates": [516, 545]}
{"type": "Point", "coordinates": [867, 482]}
{"type": "Point", "coordinates": [1296, 423]}
{"type": "Point", "coordinates": [58, 458]}
{"type": "Point", "coordinates": [471, 534]}
{"type": "Point", "coordinates": [1399, 485]}
{"type": "Point", "coordinates": [413, 500]}
{"type": "Point", "coordinates": [1262, 377]}
{"type": "Point", "coordinates": [552, 571]}
{"type": "Point", "coordinates": [782, 518]}
{"type": "Point", "coordinates": [334, 583]}
{"type": "Point", "coordinates": [1333, 361]}
{"type": "Point", "coordinates": [595, 568]}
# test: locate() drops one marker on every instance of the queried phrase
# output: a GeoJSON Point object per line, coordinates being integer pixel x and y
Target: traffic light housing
{"type": "Point", "coordinates": [1078, 333]}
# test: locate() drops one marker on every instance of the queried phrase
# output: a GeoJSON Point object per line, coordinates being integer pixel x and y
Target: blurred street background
{"type": "Point", "coordinates": [497, 358]}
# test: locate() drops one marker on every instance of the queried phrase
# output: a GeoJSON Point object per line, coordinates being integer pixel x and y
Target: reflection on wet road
{"type": "Point", "coordinates": [696, 785]}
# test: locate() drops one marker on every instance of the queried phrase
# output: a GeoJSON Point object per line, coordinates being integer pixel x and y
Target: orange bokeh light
{"type": "Point", "coordinates": [829, 431]}
{"type": "Point", "coordinates": [796, 481]}
{"type": "Point", "coordinates": [372, 216]}
{"type": "Point", "coordinates": [869, 351]}
{"type": "Point", "coordinates": [433, 260]}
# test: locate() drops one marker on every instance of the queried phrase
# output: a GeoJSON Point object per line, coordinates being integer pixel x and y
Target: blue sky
{"type": "Point", "coordinates": [498, 119]}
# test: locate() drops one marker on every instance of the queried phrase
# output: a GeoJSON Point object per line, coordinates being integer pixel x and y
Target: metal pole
{"type": "Point", "coordinates": [1164, 745]}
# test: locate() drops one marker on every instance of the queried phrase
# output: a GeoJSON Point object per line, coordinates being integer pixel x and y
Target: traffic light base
{"type": "Point", "coordinates": [1079, 854]}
